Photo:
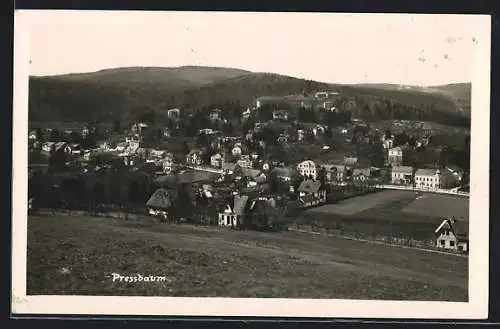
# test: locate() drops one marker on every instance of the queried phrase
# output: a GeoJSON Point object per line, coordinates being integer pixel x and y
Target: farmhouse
{"type": "Point", "coordinates": [307, 169]}
{"type": "Point", "coordinates": [402, 175]}
{"type": "Point", "coordinates": [453, 235]}
{"type": "Point", "coordinates": [311, 193]}
{"type": "Point", "coordinates": [233, 217]}
{"type": "Point", "coordinates": [160, 203]}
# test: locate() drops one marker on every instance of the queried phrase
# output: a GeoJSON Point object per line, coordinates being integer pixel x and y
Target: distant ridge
{"type": "Point", "coordinates": [121, 91]}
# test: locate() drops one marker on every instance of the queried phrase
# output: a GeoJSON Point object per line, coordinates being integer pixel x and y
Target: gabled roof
{"type": "Point", "coordinates": [425, 172]}
{"type": "Point", "coordinates": [161, 199]}
{"type": "Point", "coordinates": [361, 171]}
{"type": "Point", "coordinates": [403, 169]}
{"type": "Point", "coordinates": [309, 186]}
{"type": "Point", "coordinates": [282, 172]}
{"type": "Point", "coordinates": [240, 203]}
{"type": "Point", "coordinates": [459, 228]}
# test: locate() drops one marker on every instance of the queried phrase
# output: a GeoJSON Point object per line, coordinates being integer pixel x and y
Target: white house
{"type": "Point", "coordinates": [427, 178]}
{"type": "Point", "coordinates": [388, 143]}
{"type": "Point", "coordinates": [233, 216]}
{"type": "Point", "coordinates": [395, 156]}
{"type": "Point", "coordinates": [453, 235]}
{"type": "Point", "coordinates": [216, 160]}
{"type": "Point", "coordinates": [32, 135]}
{"type": "Point", "coordinates": [168, 163]}
{"type": "Point", "coordinates": [307, 168]}
{"type": "Point", "coordinates": [194, 158]}
{"type": "Point", "coordinates": [237, 149]}
{"type": "Point", "coordinates": [174, 113]}
{"type": "Point", "coordinates": [402, 175]}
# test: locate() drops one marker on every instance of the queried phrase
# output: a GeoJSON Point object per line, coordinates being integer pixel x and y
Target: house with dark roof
{"type": "Point", "coordinates": [361, 174]}
{"type": "Point", "coordinates": [453, 234]}
{"type": "Point", "coordinates": [160, 202]}
{"type": "Point", "coordinates": [311, 193]}
{"type": "Point", "coordinates": [402, 175]}
{"type": "Point", "coordinates": [233, 216]}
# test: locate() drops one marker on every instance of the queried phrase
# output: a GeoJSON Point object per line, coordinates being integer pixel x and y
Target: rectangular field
{"type": "Point", "coordinates": [440, 205]}
{"type": "Point", "coordinates": [76, 256]}
{"type": "Point", "coordinates": [402, 204]}
{"type": "Point", "coordinates": [362, 203]}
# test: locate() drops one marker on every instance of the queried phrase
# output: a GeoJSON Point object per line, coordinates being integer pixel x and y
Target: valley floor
{"type": "Point", "coordinates": [77, 256]}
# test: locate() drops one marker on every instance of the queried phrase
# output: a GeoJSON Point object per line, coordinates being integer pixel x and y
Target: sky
{"type": "Point", "coordinates": [335, 48]}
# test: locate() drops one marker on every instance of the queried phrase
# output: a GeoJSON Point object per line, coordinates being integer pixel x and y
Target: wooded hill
{"type": "Point", "coordinates": [125, 92]}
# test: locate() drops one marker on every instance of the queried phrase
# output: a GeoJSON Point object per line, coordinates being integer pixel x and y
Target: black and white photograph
{"type": "Point", "coordinates": [251, 164]}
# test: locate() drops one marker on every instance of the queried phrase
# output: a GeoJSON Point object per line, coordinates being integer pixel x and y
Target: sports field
{"type": "Point", "coordinates": [77, 255]}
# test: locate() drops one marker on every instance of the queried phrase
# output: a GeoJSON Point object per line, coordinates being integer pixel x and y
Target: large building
{"type": "Point", "coordinates": [325, 100]}
{"type": "Point", "coordinates": [402, 175]}
{"type": "Point", "coordinates": [307, 169]}
{"type": "Point", "coordinates": [435, 179]}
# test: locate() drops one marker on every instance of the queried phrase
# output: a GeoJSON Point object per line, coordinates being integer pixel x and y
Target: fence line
{"type": "Point", "coordinates": [420, 189]}
{"type": "Point", "coordinates": [372, 241]}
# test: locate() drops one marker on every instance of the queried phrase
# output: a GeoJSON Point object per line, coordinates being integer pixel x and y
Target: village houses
{"type": "Point", "coordinates": [245, 161]}
{"type": "Point", "coordinates": [280, 115]}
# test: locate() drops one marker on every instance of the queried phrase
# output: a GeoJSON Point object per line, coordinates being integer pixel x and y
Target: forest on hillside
{"type": "Point", "coordinates": [63, 100]}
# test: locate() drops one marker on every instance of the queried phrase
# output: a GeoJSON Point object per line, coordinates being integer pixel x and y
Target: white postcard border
{"type": "Point", "coordinates": [476, 308]}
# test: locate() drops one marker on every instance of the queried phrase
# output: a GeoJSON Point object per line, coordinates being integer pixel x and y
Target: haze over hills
{"type": "Point", "coordinates": [120, 92]}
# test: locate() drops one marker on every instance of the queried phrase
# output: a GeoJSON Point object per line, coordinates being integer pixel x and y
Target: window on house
{"type": "Point", "coordinates": [452, 243]}
{"type": "Point", "coordinates": [447, 232]}
{"type": "Point", "coordinates": [441, 242]}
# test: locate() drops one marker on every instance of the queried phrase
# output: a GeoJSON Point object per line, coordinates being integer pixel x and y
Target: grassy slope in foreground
{"type": "Point", "coordinates": [208, 262]}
